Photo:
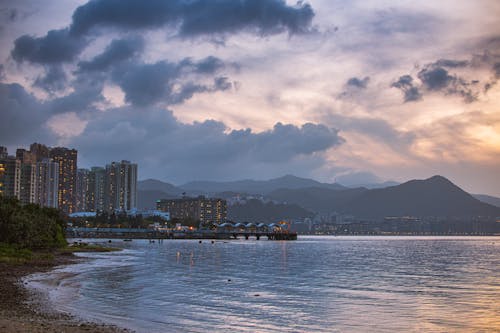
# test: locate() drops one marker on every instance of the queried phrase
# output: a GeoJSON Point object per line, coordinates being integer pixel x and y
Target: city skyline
{"type": "Point", "coordinates": [350, 92]}
{"type": "Point", "coordinates": [50, 177]}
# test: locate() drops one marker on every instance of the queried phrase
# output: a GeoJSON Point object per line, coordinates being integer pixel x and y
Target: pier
{"type": "Point", "coordinates": [128, 233]}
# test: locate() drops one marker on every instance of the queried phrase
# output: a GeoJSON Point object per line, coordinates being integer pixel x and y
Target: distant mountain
{"type": "Point", "coordinates": [320, 200]}
{"type": "Point", "coordinates": [146, 199]}
{"type": "Point", "coordinates": [256, 186]}
{"type": "Point", "coordinates": [256, 211]}
{"type": "Point", "coordinates": [375, 185]}
{"type": "Point", "coordinates": [488, 199]}
{"type": "Point", "coordinates": [158, 185]}
{"type": "Point", "coordinates": [436, 196]}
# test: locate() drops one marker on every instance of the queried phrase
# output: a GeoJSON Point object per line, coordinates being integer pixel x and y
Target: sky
{"type": "Point", "coordinates": [347, 91]}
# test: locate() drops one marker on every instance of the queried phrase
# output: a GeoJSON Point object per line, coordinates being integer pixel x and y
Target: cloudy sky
{"type": "Point", "coordinates": [352, 91]}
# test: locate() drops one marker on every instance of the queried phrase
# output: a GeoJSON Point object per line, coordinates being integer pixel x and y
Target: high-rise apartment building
{"type": "Point", "coordinates": [201, 208]}
{"type": "Point", "coordinates": [39, 151]}
{"type": "Point", "coordinates": [49, 177]}
{"type": "Point", "coordinates": [27, 191]}
{"type": "Point", "coordinates": [11, 177]}
{"type": "Point", "coordinates": [82, 190]}
{"type": "Point", "coordinates": [96, 189]}
{"type": "Point", "coordinates": [47, 183]}
{"type": "Point", "coordinates": [121, 186]}
{"type": "Point", "coordinates": [3, 152]}
{"type": "Point", "coordinates": [67, 159]}
{"type": "Point", "coordinates": [3, 155]}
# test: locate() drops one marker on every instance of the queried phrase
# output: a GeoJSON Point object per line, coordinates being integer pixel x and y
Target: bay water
{"type": "Point", "coordinates": [314, 284]}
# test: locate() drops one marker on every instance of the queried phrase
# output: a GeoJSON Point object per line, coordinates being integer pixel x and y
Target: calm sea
{"type": "Point", "coordinates": [315, 284]}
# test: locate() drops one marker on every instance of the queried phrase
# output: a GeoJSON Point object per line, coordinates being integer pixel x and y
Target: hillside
{"type": "Point", "coordinates": [321, 200]}
{"type": "Point", "coordinates": [256, 211]}
{"type": "Point", "coordinates": [146, 199]}
{"type": "Point", "coordinates": [158, 185]}
{"type": "Point", "coordinates": [436, 196]}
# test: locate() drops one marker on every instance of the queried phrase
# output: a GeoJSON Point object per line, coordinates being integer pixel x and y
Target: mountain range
{"type": "Point", "coordinates": [436, 196]}
{"type": "Point", "coordinates": [256, 186]}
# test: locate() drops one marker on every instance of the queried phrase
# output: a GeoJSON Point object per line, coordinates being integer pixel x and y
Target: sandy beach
{"type": "Point", "coordinates": [22, 310]}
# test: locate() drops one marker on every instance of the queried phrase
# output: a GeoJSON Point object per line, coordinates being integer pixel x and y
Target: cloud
{"type": "Point", "coordinates": [56, 47]}
{"type": "Point", "coordinates": [266, 16]}
{"type": "Point", "coordinates": [9, 14]}
{"type": "Point", "coordinates": [375, 128]}
{"type": "Point", "coordinates": [406, 85]}
{"type": "Point", "coordinates": [79, 101]}
{"type": "Point", "coordinates": [54, 79]}
{"type": "Point", "coordinates": [146, 84]}
{"type": "Point", "coordinates": [451, 63]}
{"type": "Point", "coordinates": [358, 83]}
{"type": "Point", "coordinates": [194, 18]}
{"type": "Point", "coordinates": [435, 78]}
{"type": "Point", "coordinates": [188, 90]}
{"type": "Point", "coordinates": [209, 65]}
{"type": "Point", "coordinates": [22, 116]}
{"type": "Point", "coordinates": [398, 21]}
{"type": "Point", "coordinates": [438, 79]}
{"type": "Point", "coordinates": [496, 70]}
{"type": "Point", "coordinates": [117, 51]}
{"type": "Point", "coordinates": [170, 149]}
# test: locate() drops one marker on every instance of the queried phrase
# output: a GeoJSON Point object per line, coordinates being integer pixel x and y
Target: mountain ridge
{"type": "Point", "coordinates": [435, 196]}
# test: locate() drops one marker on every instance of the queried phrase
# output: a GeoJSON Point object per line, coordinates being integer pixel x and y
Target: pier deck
{"type": "Point", "coordinates": [116, 233]}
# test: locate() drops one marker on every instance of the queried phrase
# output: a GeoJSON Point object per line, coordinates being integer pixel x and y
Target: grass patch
{"type": "Point", "coordinates": [12, 255]}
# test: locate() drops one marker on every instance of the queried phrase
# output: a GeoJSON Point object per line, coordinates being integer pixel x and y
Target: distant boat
{"type": "Point", "coordinates": [127, 240]}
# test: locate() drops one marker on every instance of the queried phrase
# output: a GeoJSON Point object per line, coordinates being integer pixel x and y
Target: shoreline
{"type": "Point", "coordinates": [26, 310]}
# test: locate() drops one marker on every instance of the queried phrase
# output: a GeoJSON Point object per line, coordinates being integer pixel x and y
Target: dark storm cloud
{"type": "Point", "coordinates": [146, 84]}
{"type": "Point", "coordinates": [56, 47]}
{"type": "Point", "coordinates": [222, 83]}
{"type": "Point", "coordinates": [9, 14]}
{"type": "Point", "coordinates": [188, 90]}
{"type": "Point", "coordinates": [358, 83]}
{"type": "Point", "coordinates": [406, 85]}
{"type": "Point", "coordinates": [53, 80]}
{"type": "Point", "coordinates": [496, 75]}
{"type": "Point", "coordinates": [22, 115]}
{"type": "Point", "coordinates": [496, 70]}
{"type": "Point", "coordinates": [435, 78]}
{"type": "Point", "coordinates": [196, 17]}
{"type": "Point", "coordinates": [80, 101]}
{"type": "Point", "coordinates": [209, 65]}
{"type": "Point", "coordinates": [266, 16]}
{"type": "Point", "coordinates": [200, 149]}
{"type": "Point", "coordinates": [2, 72]}
{"type": "Point", "coordinates": [451, 63]}
{"type": "Point", "coordinates": [118, 50]}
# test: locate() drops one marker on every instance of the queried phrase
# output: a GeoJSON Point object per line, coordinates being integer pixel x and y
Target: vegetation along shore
{"type": "Point", "coordinates": [32, 241]}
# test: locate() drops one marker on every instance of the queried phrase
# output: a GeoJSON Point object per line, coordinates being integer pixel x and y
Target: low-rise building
{"type": "Point", "coordinates": [202, 209]}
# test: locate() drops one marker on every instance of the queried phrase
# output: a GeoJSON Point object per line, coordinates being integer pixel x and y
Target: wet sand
{"type": "Point", "coordinates": [23, 310]}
